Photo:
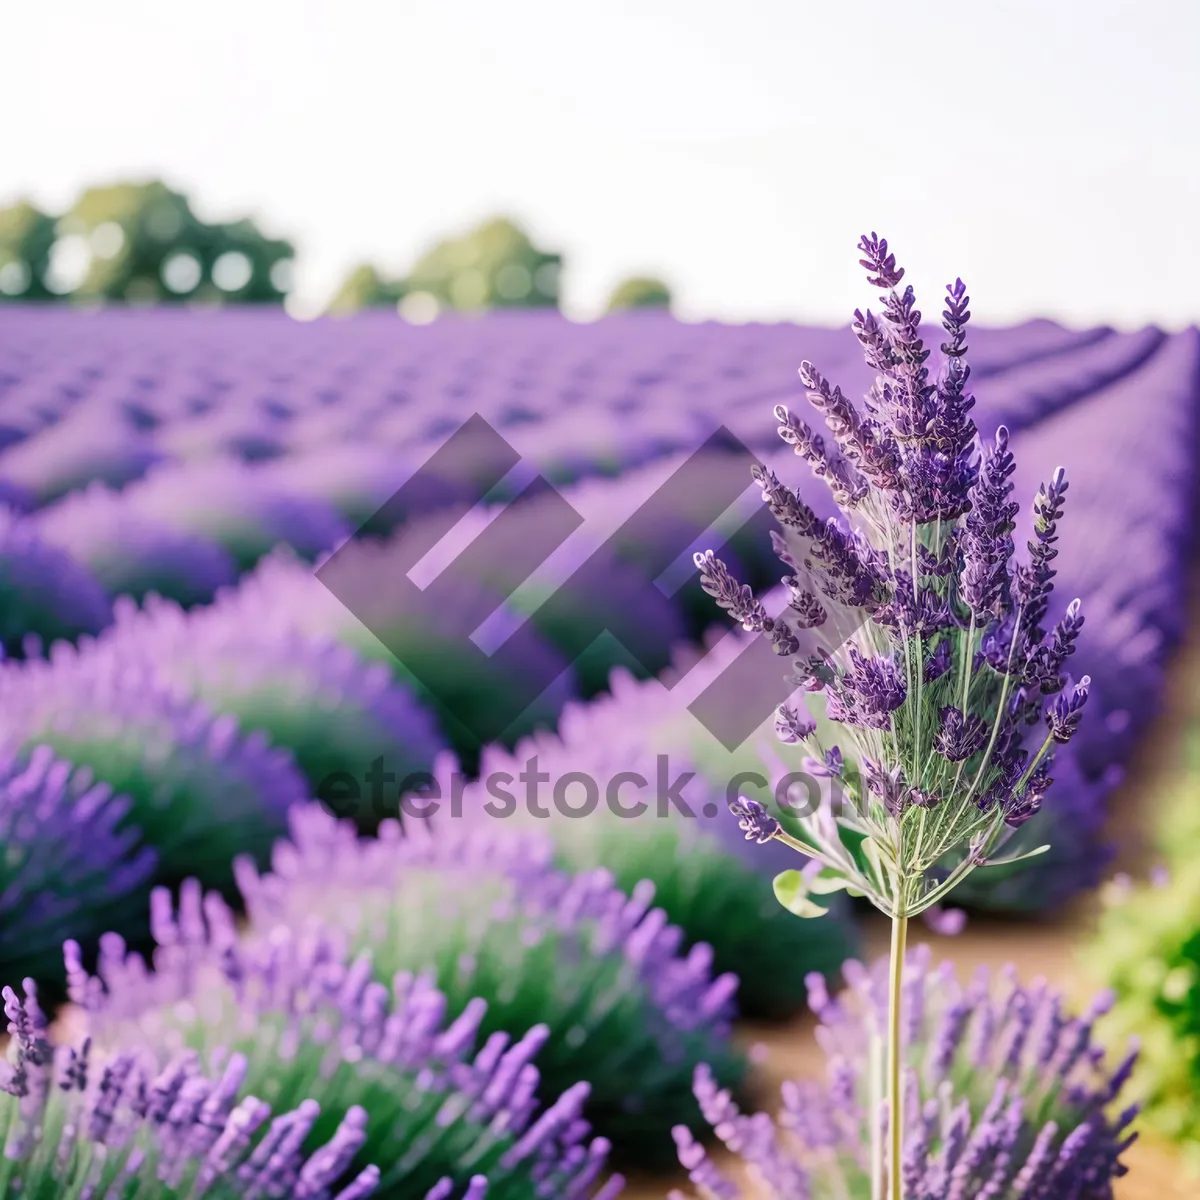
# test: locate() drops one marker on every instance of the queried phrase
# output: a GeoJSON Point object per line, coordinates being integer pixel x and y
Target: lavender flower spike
{"type": "Point", "coordinates": [1008, 1098]}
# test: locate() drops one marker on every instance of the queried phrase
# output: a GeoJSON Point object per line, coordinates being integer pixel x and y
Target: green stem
{"type": "Point", "coordinates": [895, 1051]}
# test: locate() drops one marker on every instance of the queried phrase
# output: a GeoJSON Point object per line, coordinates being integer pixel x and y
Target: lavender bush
{"type": "Point", "coordinates": [491, 918]}
{"type": "Point", "coordinates": [44, 593]}
{"type": "Point", "coordinates": [132, 555]}
{"type": "Point", "coordinates": [230, 503]}
{"type": "Point", "coordinates": [435, 1109]}
{"type": "Point", "coordinates": [1008, 1097]}
{"type": "Point", "coordinates": [312, 698]}
{"type": "Point", "coordinates": [707, 878]}
{"type": "Point", "coordinates": [68, 861]}
{"type": "Point", "coordinates": [923, 638]}
{"type": "Point", "coordinates": [76, 1129]}
{"type": "Point", "coordinates": [201, 791]}
{"type": "Point", "coordinates": [284, 590]}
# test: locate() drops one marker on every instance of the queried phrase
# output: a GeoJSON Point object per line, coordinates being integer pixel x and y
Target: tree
{"type": "Point", "coordinates": [364, 287]}
{"type": "Point", "coordinates": [141, 243]}
{"type": "Point", "coordinates": [639, 291]}
{"type": "Point", "coordinates": [26, 236]}
{"type": "Point", "coordinates": [493, 266]}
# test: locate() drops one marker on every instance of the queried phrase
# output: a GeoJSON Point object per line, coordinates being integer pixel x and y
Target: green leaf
{"type": "Point", "coordinates": [1016, 858]}
{"type": "Point", "coordinates": [791, 891]}
{"type": "Point", "coordinates": [827, 881]}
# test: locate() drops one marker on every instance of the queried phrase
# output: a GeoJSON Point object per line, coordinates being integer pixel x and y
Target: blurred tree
{"type": "Point", "coordinates": [141, 243]}
{"type": "Point", "coordinates": [493, 266]}
{"type": "Point", "coordinates": [364, 287]}
{"type": "Point", "coordinates": [26, 235]}
{"type": "Point", "coordinates": [639, 292]}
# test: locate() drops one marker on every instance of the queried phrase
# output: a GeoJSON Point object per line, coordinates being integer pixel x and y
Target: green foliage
{"type": "Point", "coordinates": [495, 265]}
{"type": "Point", "coordinates": [141, 243]}
{"type": "Point", "coordinates": [639, 291]}
{"type": "Point", "coordinates": [363, 288]}
{"type": "Point", "coordinates": [1147, 949]}
{"type": "Point", "coordinates": [26, 235]}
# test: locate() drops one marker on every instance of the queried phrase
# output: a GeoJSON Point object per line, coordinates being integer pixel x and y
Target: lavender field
{"type": "Point", "coordinates": [184, 702]}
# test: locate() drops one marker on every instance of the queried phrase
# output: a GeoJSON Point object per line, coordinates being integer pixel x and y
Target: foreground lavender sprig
{"type": "Point", "coordinates": [75, 1128]}
{"type": "Point", "coordinates": [1008, 1098]}
{"type": "Point", "coordinates": [912, 622]}
{"type": "Point", "coordinates": [491, 916]}
{"type": "Point", "coordinates": [437, 1113]}
{"type": "Point", "coordinates": [924, 639]}
{"type": "Point", "coordinates": [68, 860]}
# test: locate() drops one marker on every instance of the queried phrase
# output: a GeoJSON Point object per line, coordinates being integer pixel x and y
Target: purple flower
{"type": "Point", "coordinates": [959, 736]}
{"type": "Point", "coordinates": [792, 726]}
{"type": "Point", "coordinates": [1065, 713]}
{"type": "Point", "coordinates": [1008, 1097]}
{"type": "Point", "coordinates": [988, 544]}
{"type": "Point", "coordinates": [334, 713]}
{"type": "Point", "coordinates": [753, 820]}
{"type": "Point", "coordinates": [233, 504]}
{"type": "Point", "coordinates": [934, 652]}
{"type": "Point", "coordinates": [131, 554]}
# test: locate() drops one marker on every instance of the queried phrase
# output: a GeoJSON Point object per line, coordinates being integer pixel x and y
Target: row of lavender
{"type": "Point", "coordinates": [186, 532]}
{"type": "Point", "coordinates": [620, 1005]}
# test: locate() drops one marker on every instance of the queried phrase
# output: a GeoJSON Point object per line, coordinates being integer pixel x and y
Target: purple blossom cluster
{"type": "Point", "coordinates": [490, 914]}
{"type": "Point", "coordinates": [1008, 1097]}
{"type": "Point", "coordinates": [297, 1013]}
{"type": "Point", "coordinates": [945, 681]}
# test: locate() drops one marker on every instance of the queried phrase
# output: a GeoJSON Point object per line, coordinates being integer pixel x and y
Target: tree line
{"type": "Point", "coordinates": [142, 243]}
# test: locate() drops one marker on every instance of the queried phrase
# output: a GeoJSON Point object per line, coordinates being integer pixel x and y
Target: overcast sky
{"type": "Point", "coordinates": [1047, 151]}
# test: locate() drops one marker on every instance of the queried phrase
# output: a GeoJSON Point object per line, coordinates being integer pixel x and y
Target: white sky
{"type": "Point", "coordinates": [1047, 151]}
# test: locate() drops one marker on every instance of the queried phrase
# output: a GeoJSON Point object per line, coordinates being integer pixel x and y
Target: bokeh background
{"type": "Point", "coordinates": [259, 261]}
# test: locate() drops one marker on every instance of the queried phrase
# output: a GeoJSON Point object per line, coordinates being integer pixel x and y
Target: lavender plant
{"type": "Point", "coordinates": [316, 699]}
{"type": "Point", "coordinates": [44, 592]}
{"type": "Point", "coordinates": [926, 642]}
{"type": "Point", "coordinates": [491, 918]}
{"type": "Point", "coordinates": [1008, 1098]}
{"type": "Point", "coordinates": [76, 1129]}
{"type": "Point", "coordinates": [284, 589]}
{"type": "Point", "coordinates": [437, 1112]}
{"type": "Point", "coordinates": [707, 878]}
{"type": "Point", "coordinates": [67, 859]}
{"type": "Point", "coordinates": [133, 555]}
{"type": "Point", "coordinates": [200, 790]}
